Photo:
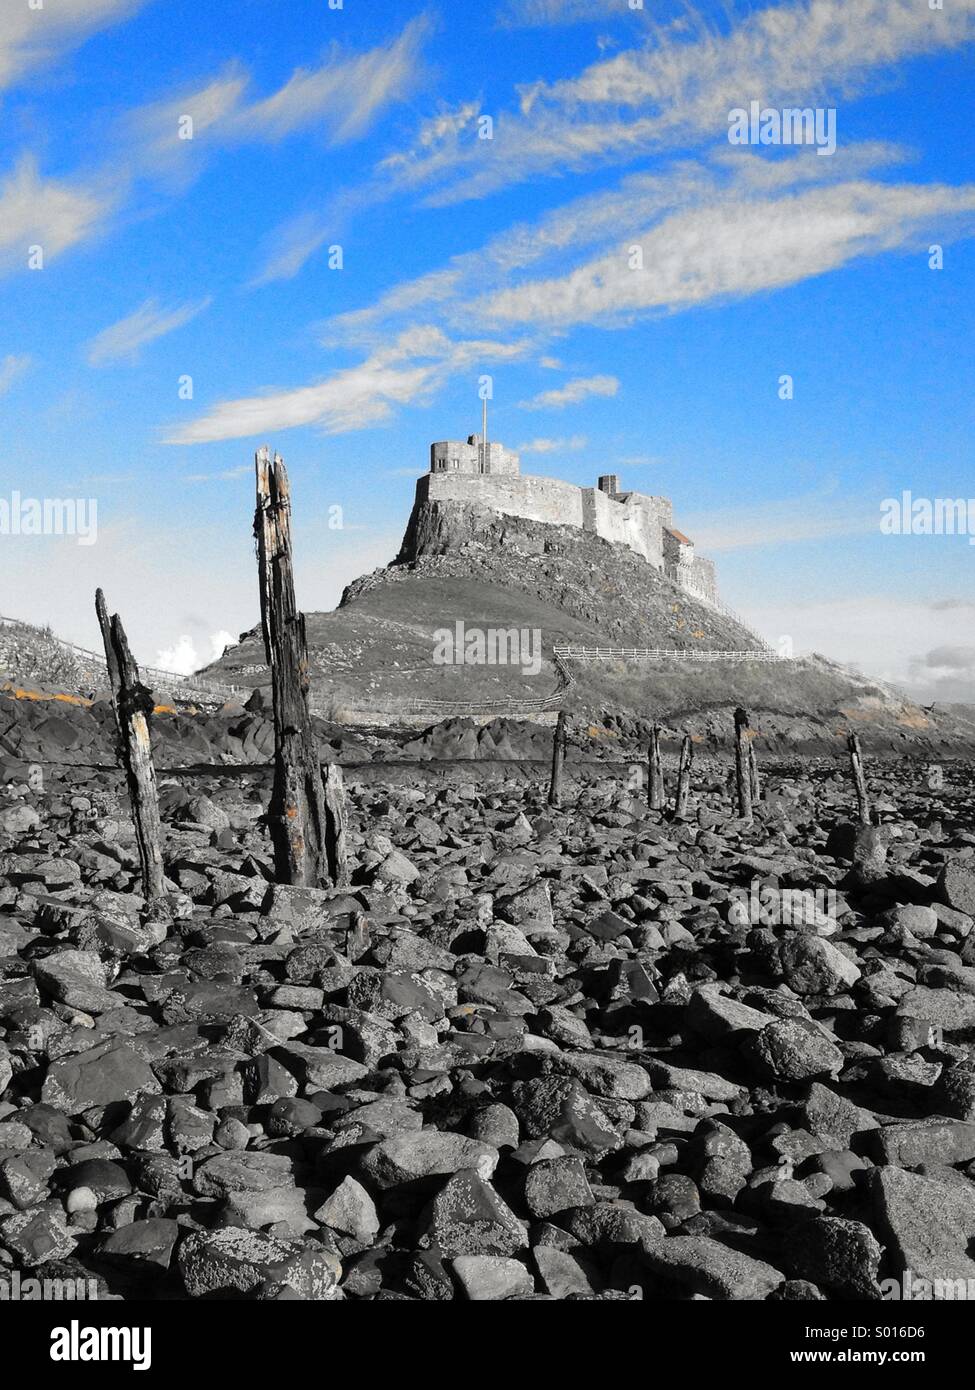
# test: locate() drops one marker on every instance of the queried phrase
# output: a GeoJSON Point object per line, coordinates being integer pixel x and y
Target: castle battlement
{"type": "Point", "coordinates": [474, 458]}
{"type": "Point", "coordinates": [490, 477]}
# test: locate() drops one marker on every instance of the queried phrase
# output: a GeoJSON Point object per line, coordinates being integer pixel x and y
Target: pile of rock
{"type": "Point", "coordinates": [575, 1054]}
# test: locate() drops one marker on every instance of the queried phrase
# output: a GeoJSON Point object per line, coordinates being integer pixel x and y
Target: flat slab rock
{"type": "Point", "coordinates": [708, 1267]}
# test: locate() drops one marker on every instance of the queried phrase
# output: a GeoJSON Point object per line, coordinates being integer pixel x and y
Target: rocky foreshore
{"type": "Point", "coordinates": [528, 1053]}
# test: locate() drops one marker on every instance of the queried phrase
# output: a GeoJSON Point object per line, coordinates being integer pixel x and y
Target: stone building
{"type": "Point", "coordinates": [490, 476]}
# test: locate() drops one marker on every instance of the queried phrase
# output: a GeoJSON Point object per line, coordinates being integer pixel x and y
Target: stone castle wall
{"type": "Point", "coordinates": [536, 499]}
{"type": "Point", "coordinates": [630, 519]}
{"type": "Point", "coordinates": [697, 576]}
{"type": "Point", "coordinates": [636, 522]}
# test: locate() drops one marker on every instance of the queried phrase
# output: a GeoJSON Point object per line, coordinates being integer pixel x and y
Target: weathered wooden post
{"type": "Point", "coordinates": [859, 780]}
{"type": "Point", "coordinates": [558, 757]}
{"type": "Point", "coordinates": [753, 773]}
{"type": "Point", "coordinates": [655, 785]}
{"type": "Point", "coordinates": [742, 773]}
{"type": "Point", "coordinates": [683, 778]}
{"type": "Point", "coordinates": [306, 817]}
{"type": "Point", "coordinates": [133, 705]}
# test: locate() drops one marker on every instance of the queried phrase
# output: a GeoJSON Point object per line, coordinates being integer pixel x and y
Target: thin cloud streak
{"type": "Point", "coordinates": [12, 366]}
{"type": "Point", "coordinates": [409, 372]}
{"type": "Point", "coordinates": [31, 37]}
{"type": "Point", "coordinates": [122, 341]}
{"type": "Point", "coordinates": [580, 389]}
{"type": "Point", "coordinates": [50, 215]}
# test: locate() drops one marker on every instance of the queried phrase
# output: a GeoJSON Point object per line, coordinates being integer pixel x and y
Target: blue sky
{"type": "Point", "coordinates": [207, 258]}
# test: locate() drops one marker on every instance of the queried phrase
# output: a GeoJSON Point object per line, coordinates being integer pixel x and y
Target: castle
{"type": "Point", "coordinates": [489, 475]}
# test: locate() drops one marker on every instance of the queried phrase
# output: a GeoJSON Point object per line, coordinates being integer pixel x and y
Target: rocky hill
{"type": "Point", "coordinates": [33, 654]}
{"type": "Point", "coordinates": [374, 663]}
{"type": "Point", "coordinates": [373, 657]}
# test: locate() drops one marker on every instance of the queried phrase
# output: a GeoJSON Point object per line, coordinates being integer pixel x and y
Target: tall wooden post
{"type": "Point", "coordinates": [742, 771]}
{"type": "Point", "coordinates": [683, 778]}
{"type": "Point", "coordinates": [655, 784]}
{"type": "Point", "coordinates": [753, 773]}
{"type": "Point", "coordinates": [132, 704]}
{"type": "Point", "coordinates": [859, 780]}
{"type": "Point", "coordinates": [306, 817]}
{"type": "Point", "coordinates": [558, 757]}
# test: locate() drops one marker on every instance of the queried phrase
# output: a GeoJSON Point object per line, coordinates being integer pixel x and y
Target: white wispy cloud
{"type": "Point", "coordinates": [11, 367]}
{"type": "Point", "coordinates": [291, 245]}
{"type": "Point", "coordinates": [345, 94]}
{"type": "Point", "coordinates": [341, 98]}
{"type": "Point", "coordinates": [697, 73]}
{"type": "Point", "coordinates": [31, 37]}
{"type": "Point", "coordinates": [554, 446]}
{"type": "Point", "coordinates": [530, 14]}
{"type": "Point", "coordinates": [678, 88]}
{"type": "Point", "coordinates": [123, 340]}
{"type": "Point", "coordinates": [53, 214]}
{"type": "Point", "coordinates": [595, 222]}
{"type": "Point", "coordinates": [734, 247]}
{"type": "Point", "coordinates": [572, 393]}
{"type": "Point", "coordinates": [407, 372]}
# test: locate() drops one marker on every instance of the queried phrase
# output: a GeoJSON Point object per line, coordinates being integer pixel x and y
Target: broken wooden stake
{"type": "Point", "coordinates": [306, 817]}
{"type": "Point", "coordinates": [753, 773]}
{"type": "Point", "coordinates": [859, 780]}
{"type": "Point", "coordinates": [558, 758]}
{"type": "Point", "coordinates": [655, 786]}
{"type": "Point", "coordinates": [742, 771]}
{"type": "Point", "coordinates": [683, 778]}
{"type": "Point", "coordinates": [133, 704]}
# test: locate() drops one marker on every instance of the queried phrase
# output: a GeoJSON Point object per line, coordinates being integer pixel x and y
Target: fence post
{"type": "Point", "coordinates": [558, 757]}
{"type": "Point", "coordinates": [655, 786]}
{"type": "Point", "coordinates": [742, 773]}
{"type": "Point", "coordinates": [305, 820]}
{"type": "Point", "coordinates": [859, 780]}
{"type": "Point", "coordinates": [753, 773]}
{"type": "Point", "coordinates": [133, 704]}
{"type": "Point", "coordinates": [683, 778]}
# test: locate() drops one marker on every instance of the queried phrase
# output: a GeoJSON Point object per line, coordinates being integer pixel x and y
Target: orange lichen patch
{"type": "Point", "coordinates": [697, 738]}
{"type": "Point", "coordinates": [698, 632]}
{"type": "Point", "coordinates": [593, 732]}
{"type": "Point", "coordinates": [168, 709]}
{"type": "Point", "coordinates": [9, 688]}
